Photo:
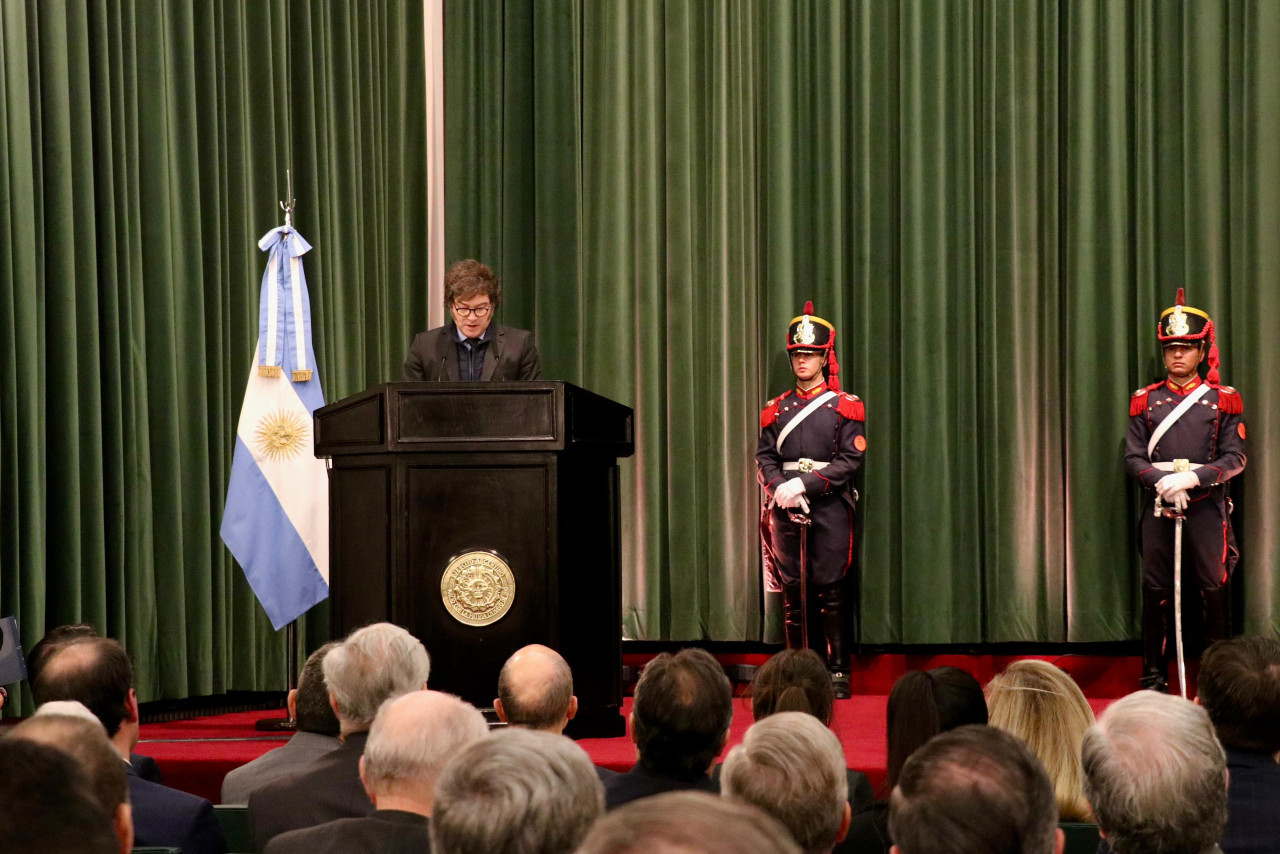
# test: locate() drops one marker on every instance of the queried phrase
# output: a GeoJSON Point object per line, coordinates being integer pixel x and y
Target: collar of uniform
{"type": "Point", "coordinates": [811, 393]}
{"type": "Point", "coordinates": [1184, 389]}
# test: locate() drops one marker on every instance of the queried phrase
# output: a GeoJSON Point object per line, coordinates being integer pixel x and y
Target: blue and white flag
{"type": "Point", "coordinates": [276, 520]}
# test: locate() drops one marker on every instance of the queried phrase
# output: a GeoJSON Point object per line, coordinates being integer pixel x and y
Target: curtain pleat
{"type": "Point", "coordinates": [143, 154]}
{"type": "Point", "coordinates": [991, 200]}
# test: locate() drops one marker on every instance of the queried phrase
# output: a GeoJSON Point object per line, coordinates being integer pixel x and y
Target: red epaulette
{"type": "Point", "coordinates": [851, 407]}
{"type": "Point", "coordinates": [770, 412]}
{"type": "Point", "coordinates": [1229, 400]}
{"type": "Point", "coordinates": [1138, 403]}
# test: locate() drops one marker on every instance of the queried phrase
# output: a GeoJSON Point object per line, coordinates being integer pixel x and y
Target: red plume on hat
{"type": "Point", "coordinates": [1212, 374]}
{"type": "Point", "coordinates": [825, 330]}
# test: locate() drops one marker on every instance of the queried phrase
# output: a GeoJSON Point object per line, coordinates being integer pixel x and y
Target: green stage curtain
{"type": "Point", "coordinates": [992, 201]}
{"type": "Point", "coordinates": [143, 151]}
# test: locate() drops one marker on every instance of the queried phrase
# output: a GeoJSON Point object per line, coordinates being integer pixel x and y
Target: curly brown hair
{"type": "Point", "coordinates": [469, 279]}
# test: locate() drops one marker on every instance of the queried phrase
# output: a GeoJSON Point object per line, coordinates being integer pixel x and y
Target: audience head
{"type": "Point", "coordinates": [688, 823]}
{"type": "Point", "coordinates": [975, 789]}
{"type": "Point", "coordinates": [1239, 687]}
{"type": "Point", "coordinates": [1156, 776]}
{"type": "Point", "coordinates": [924, 703]}
{"type": "Point", "coordinates": [794, 680]}
{"type": "Point", "coordinates": [520, 791]}
{"type": "Point", "coordinates": [681, 713]}
{"type": "Point", "coordinates": [412, 738]}
{"type": "Point", "coordinates": [535, 690]}
{"type": "Point", "coordinates": [792, 767]}
{"type": "Point", "coordinates": [96, 672]}
{"type": "Point", "coordinates": [53, 640]}
{"type": "Point", "coordinates": [311, 707]}
{"type": "Point", "coordinates": [373, 665]}
{"type": "Point", "coordinates": [1043, 706]}
{"type": "Point", "coordinates": [71, 728]}
{"type": "Point", "coordinates": [47, 805]}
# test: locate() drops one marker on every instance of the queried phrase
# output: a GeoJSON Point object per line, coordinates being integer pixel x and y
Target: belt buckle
{"type": "Point", "coordinates": [1181, 465]}
{"type": "Point", "coordinates": [805, 465]}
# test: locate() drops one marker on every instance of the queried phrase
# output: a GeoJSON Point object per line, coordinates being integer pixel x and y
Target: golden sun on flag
{"type": "Point", "coordinates": [281, 435]}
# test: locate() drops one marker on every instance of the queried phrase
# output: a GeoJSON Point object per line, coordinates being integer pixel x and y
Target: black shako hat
{"type": "Point", "coordinates": [1192, 327]}
{"type": "Point", "coordinates": [808, 332]}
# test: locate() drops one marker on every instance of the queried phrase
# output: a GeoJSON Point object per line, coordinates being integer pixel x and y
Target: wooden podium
{"type": "Point", "coordinates": [483, 517]}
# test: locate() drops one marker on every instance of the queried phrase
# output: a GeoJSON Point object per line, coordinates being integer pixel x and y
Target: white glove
{"type": "Point", "coordinates": [1178, 481]}
{"type": "Point", "coordinates": [790, 494]}
{"type": "Point", "coordinates": [1178, 500]}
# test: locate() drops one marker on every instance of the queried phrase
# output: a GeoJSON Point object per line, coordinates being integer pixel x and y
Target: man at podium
{"type": "Point", "coordinates": [472, 348]}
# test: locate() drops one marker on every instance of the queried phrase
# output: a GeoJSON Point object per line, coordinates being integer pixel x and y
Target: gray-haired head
{"type": "Point", "coordinates": [792, 766]}
{"type": "Point", "coordinates": [688, 823]}
{"type": "Point", "coordinates": [535, 689]}
{"type": "Point", "coordinates": [412, 739]}
{"type": "Point", "coordinates": [1155, 775]}
{"type": "Point", "coordinates": [519, 791]}
{"type": "Point", "coordinates": [372, 665]}
{"type": "Point", "coordinates": [975, 789]}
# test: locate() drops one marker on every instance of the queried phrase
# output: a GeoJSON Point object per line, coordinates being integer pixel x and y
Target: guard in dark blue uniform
{"type": "Point", "coordinates": [1185, 443]}
{"type": "Point", "coordinates": [812, 439]}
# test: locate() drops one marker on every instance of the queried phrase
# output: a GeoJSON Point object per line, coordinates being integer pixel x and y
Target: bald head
{"type": "Point", "coordinates": [412, 738]}
{"type": "Point", "coordinates": [535, 690]}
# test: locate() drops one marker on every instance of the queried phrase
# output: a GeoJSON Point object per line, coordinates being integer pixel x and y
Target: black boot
{"type": "Point", "coordinates": [1155, 631]}
{"type": "Point", "coordinates": [831, 599]}
{"type": "Point", "coordinates": [792, 609]}
{"type": "Point", "coordinates": [1215, 615]}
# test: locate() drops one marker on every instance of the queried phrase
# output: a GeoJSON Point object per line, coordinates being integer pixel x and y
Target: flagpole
{"type": "Point", "coordinates": [287, 723]}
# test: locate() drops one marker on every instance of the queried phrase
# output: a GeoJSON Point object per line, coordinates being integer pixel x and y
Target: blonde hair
{"type": "Point", "coordinates": [1043, 706]}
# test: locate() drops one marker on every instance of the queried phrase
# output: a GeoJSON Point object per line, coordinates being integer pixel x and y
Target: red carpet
{"type": "Point", "coordinates": [196, 754]}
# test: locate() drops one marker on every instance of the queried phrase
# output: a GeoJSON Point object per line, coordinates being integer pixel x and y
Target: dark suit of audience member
{"type": "Point", "coordinates": [97, 672]}
{"type": "Point", "coordinates": [679, 723]}
{"type": "Point", "coordinates": [372, 665]}
{"type": "Point", "coordinates": [327, 789]}
{"type": "Point", "coordinates": [317, 735]}
{"type": "Point", "coordinates": [164, 817]}
{"type": "Point", "coordinates": [412, 739]}
{"type": "Point", "coordinates": [1239, 687]}
{"type": "Point", "coordinates": [380, 832]}
{"type": "Point", "coordinates": [146, 768]}
{"type": "Point", "coordinates": [1253, 803]}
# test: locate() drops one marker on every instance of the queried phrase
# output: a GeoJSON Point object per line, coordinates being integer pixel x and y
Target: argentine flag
{"type": "Point", "coordinates": [276, 519]}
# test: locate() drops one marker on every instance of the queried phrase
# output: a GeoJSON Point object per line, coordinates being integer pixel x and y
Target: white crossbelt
{"type": "Point", "coordinates": [805, 465]}
{"type": "Point", "coordinates": [1180, 410]}
{"type": "Point", "coordinates": [802, 415]}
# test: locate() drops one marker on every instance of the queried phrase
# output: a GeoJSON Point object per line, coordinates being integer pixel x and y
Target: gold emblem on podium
{"type": "Point", "coordinates": [478, 588]}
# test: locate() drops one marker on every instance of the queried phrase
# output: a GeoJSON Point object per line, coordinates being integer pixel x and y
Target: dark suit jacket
{"type": "Point", "coordinates": [510, 356]}
{"type": "Point", "coordinates": [1253, 803]}
{"type": "Point", "coordinates": [327, 789]}
{"type": "Point", "coordinates": [166, 817]}
{"type": "Point", "coordinates": [380, 832]}
{"type": "Point", "coordinates": [641, 782]}
{"type": "Point", "coordinates": [147, 768]}
{"type": "Point", "coordinates": [284, 761]}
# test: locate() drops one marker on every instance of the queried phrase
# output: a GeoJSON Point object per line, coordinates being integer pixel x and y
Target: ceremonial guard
{"type": "Point", "coordinates": [1185, 443]}
{"type": "Point", "coordinates": [812, 439]}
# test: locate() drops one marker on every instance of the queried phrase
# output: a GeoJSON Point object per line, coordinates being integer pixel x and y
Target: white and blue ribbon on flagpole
{"type": "Point", "coordinates": [276, 519]}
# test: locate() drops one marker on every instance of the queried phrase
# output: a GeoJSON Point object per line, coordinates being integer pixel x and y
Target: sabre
{"type": "Point", "coordinates": [1178, 517]}
{"type": "Point", "coordinates": [1177, 601]}
{"type": "Point", "coordinates": [802, 519]}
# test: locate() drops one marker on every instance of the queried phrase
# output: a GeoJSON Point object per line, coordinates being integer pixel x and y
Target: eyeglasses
{"type": "Point", "coordinates": [478, 311]}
